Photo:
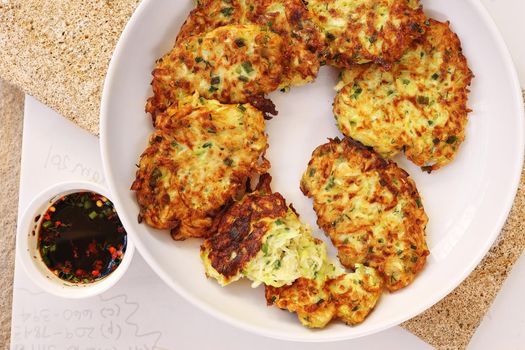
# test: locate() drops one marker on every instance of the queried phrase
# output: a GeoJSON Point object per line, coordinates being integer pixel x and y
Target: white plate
{"type": "Point", "coordinates": [467, 201]}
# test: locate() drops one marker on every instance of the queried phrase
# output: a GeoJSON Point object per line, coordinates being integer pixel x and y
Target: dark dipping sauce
{"type": "Point", "coordinates": [81, 238]}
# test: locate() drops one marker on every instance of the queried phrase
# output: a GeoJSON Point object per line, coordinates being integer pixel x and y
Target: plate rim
{"type": "Point", "coordinates": [449, 287]}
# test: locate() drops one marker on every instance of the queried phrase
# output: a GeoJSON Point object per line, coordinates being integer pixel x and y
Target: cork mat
{"type": "Point", "coordinates": [11, 112]}
{"type": "Point", "coordinates": [61, 59]}
{"type": "Point", "coordinates": [59, 51]}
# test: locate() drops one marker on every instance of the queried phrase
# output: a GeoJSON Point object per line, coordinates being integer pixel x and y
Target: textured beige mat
{"type": "Point", "coordinates": [11, 113]}
{"type": "Point", "coordinates": [58, 51]}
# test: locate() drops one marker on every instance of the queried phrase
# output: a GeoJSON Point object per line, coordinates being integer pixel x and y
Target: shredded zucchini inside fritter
{"type": "Point", "coordinates": [287, 253]}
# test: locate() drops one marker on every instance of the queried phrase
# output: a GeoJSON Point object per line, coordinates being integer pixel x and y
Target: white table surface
{"type": "Point", "coordinates": [509, 16]}
{"type": "Point", "coordinates": [140, 312]}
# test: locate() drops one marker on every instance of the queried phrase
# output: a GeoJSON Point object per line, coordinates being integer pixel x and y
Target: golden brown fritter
{"type": "Point", "coordinates": [360, 31]}
{"type": "Point", "coordinates": [288, 18]}
{"type": "Point", "coordinates": [232, 64]}
{"type": "Point", "coordinates": [370, 208]}
{"type": "Point", "coordinates": [261, 238]}
{"type": "Point", "coordinates": [333, 293]}
{"type": "Point", "coordinates": [197, 161]}
{"type": "Point", "coordinates": [418, 106]}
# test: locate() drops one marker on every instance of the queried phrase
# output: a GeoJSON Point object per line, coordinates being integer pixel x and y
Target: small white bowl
{"type": "Point", "coordinates": [29, 255]}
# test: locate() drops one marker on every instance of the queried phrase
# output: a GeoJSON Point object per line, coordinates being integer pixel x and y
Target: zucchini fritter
{"type": "Point", "coordinates": [360, 31]}
{"type": "Point", "coordinates": [418, 106]}
{"type": "Point", "coordinates": [331, 294]}
{"type": "Point", "coordinates": [288, 18]}
{"type": "Point", "coordinates": [370, 208]}
{"type": "Point", "coordinates": [232, 64]}
{"type": "Point", "coordinates": [261, 238]}
{"type": "Point", "coordinates": [197, 161]}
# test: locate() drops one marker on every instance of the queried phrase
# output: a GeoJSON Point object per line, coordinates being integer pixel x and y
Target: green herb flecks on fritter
{"type": "Point", "coordinates": [360, 31]}
{"type": "Point", "coordinates": [370, 208]}
{"type": "Point", "coordinates": [418, 105]}
{"type": "Point", "coordinates": [288, 18]}
{"type": "Point", "coordinates": [198, 160]}
{"type": "Point", "coordinates": [331, 294]}
{"type": "Point", "coordinates": [232, 64]}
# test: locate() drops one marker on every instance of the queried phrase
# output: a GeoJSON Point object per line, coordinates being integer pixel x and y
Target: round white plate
{"type": "Point", "coordinates": [467, 202]}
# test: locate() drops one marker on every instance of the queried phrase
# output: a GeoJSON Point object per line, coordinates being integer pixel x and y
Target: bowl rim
{"type": "Point", "coordinates": [29, 263]}
{"type": "Point", "coordinates": [447, 288]}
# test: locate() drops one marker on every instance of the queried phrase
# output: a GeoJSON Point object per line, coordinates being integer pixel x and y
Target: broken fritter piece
{"type": "Point", "coordinates": [288, 18]}
{"type": "Point", "coordinates": [231, 64]}
{"type": "Point", "coordinates": [198, 160]}
{"type": "Point", "coordinates": [331, 294]}
{"type": "Point", "coordinates": [361, 31]}
{"type": "Point", "coordinates": [262, 239]}
{"type": "Point", "coordinates": [370, 208]}
{"type": "Point", "coordinates": [418, 105]}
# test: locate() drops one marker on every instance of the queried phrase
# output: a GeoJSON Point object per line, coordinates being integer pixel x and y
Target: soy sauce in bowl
{"type": "Point", "coordinates": [81, 238]}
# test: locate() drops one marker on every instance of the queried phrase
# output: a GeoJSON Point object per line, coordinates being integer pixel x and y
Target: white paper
{"type": "Point", "coordinates": [509, 16]}
{"type": "Point", "coordinates": [140, 312]}
{"type": "Point", "coordinates": [503, 327]}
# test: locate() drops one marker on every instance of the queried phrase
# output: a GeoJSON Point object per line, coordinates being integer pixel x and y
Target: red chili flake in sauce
{"type": "Point", "coordinates": [78, 239]}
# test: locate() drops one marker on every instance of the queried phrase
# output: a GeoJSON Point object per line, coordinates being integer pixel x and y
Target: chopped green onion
{"type": "Point", "coordinates": [357, 91]}
{"type": "Point", "coordinates": [247, 66]}
{"type": "Point", "coordinates": [331, 183]}
{"type": "Point", "coordinates": [227, 11]}
{"type": "Point", "coordinates": [451, 139]}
